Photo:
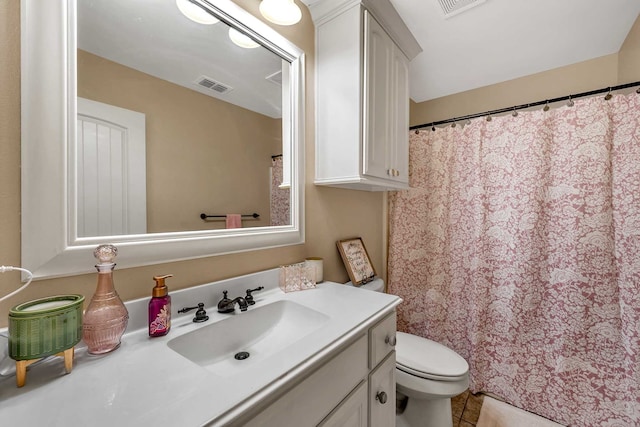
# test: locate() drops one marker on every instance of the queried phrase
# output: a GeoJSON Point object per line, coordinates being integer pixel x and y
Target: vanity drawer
{"type": "Point", "coordinates": [382, 340]}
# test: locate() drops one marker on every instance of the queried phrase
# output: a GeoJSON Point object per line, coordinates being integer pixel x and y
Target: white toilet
{"type": "Point", "coordinates": [428, 375]}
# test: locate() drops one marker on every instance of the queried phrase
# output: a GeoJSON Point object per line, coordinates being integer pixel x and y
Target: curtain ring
{"type": "Point", "coordinates": [546, 106]}
{"type": "Point", "coordinates": [570, 103]}
{"type": "Point", "coordinates": [515, 113]}
{"type": "Point", "coordinates": [489, 118]}
{"type": "Point", "coordinates": [433, 128]}
{"type": "Point", "coordinates": [608, 96]}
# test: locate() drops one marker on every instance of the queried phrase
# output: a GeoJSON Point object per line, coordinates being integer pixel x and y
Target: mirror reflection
{"type": "Point", "coordinates": [175, 119]}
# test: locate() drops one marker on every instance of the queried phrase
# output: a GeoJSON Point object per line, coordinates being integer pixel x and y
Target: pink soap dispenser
{"type": "Point", "coordinates": [160, 308]}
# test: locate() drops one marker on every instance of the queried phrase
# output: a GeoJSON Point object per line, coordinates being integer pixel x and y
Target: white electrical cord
{"type": "Point", "coordinates": [5, 268]}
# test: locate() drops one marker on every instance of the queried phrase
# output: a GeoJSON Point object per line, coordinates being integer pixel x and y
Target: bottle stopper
{"type": "Point", "coordinates": [105, 254]}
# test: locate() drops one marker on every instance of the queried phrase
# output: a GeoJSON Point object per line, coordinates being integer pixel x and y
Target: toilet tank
{"type": "Point", "coordinates": [376, 285]}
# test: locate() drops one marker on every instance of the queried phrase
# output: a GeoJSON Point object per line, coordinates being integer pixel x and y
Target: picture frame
{"type": "Point", "coordinates": [356, 260]}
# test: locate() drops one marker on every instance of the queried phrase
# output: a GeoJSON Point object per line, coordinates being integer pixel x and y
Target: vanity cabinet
{"type": "Point", "coordinates": [362, 110]}
{"type": "Point", "coordinates": [382, 378]}
{"type": "Point", "coordinates": [355, 388]}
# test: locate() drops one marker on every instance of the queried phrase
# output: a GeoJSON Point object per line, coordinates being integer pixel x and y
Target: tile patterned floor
{"type": "Point", "coordinates": [465, 409]}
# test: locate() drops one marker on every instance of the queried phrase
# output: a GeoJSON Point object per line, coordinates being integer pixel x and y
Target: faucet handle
{"type": "Point", "coordinates": [249, 297]}
{"type": "Point", "coordinates": [201, 314]}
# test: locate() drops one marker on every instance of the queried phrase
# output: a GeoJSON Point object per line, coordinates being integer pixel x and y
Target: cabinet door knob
{"type": "Point", "coordinates": [382, 397]}
{"type": "Point", "coordinates": [390, 172]}
{"type": "Point", "coordinates": [390, 340]}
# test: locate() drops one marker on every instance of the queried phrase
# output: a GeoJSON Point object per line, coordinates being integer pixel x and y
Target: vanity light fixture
{"type": "Point", "coordinates": [281, 12]}
{"type": "Point", "coordinates": [241, 40]}
{"type": "Point", "coordinates": [196, 13]}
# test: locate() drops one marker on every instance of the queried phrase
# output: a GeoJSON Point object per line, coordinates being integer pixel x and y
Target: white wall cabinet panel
{"type": "Point", "coordinates": [362, 95]}
{"type": "Point", "coordinates": [378, 105]}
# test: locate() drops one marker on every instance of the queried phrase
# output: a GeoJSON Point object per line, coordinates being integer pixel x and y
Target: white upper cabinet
{"type": "Point", "coordinates": [362, 109]}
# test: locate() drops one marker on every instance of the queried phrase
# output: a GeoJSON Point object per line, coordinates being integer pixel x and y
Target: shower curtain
{"type": "Point", "coordinates": [279, 203]}
{"type": "Point", "coordinates": [518, 246]}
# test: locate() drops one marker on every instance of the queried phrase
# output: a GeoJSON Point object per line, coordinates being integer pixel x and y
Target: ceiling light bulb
{"type": "Point", "coordinates": [196, 13]}
{"type": "Point", "coordinates": [241, 40]}
{"type": "Point", "coordinates": [281, 12]}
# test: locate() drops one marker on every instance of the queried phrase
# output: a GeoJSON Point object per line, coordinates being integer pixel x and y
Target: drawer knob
{"type": "Point", "coordinates": [390, 340]}
{"type": "Point", "coordinates": [382, 397]}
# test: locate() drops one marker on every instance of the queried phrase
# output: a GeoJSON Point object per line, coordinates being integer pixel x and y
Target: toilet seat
{"type": "Point", "coordinates": [428, 359]}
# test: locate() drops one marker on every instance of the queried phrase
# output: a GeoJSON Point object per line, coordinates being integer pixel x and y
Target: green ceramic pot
{"type": "Point", "coordinates": [45, 326]}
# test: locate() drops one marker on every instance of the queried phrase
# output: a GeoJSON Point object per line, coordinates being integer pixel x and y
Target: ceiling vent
{"type": "Point", "coordinates": [454, 7]}
{"type": "Point", "coordinates": [275, 78]}
{"type": "Point", "coordinates": [210, 84]}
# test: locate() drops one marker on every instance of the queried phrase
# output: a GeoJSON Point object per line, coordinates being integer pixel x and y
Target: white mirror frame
{"type": "Point", "coordinates": [50, 246]}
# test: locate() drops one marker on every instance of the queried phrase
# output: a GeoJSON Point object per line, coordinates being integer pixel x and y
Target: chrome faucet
{"type": "Point", "coordinates": [227, 305]}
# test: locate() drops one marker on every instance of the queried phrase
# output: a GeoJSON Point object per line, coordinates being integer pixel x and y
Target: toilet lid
{"type": "Point", "coordinates": [428, 359]}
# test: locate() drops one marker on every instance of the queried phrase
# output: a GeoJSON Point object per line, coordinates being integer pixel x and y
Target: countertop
{"type": "Point", "coordinates": [144, 382]}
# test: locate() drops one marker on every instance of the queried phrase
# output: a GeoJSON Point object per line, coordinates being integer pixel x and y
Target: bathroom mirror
{"type": "Point", "coordinates": [75, 51]}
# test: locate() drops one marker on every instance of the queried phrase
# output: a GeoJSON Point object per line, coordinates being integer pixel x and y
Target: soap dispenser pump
{"type": "Point", "coordinates": [160, 308]}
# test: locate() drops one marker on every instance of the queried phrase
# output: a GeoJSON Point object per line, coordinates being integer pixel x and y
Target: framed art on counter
{"type": "Point", "coordinates": [356, 260]}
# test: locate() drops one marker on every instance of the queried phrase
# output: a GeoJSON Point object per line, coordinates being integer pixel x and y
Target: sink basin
{"type": "Point", "coordinates": [243, 340]}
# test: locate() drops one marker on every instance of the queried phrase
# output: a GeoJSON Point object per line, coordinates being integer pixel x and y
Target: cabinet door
{"type": "Point", "coordinates": [382, 393]}
{"type": "Point", "coordinates": [382, 340]}
{"type": "Point", "coordinates": [352, 412]}
{"type": "Point", "coordinates": [399, 144]}
{"type": "Point", "coordinates": [378, 102]}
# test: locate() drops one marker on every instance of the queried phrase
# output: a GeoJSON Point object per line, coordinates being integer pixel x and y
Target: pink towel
{"type": "Point", "coordinates": [234, 221]}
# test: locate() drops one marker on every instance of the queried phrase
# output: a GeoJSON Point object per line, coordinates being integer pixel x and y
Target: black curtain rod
{"type": "Point", "coordinates": [275, 156]}
{"type": "Point", "coordinates": [523, 106]}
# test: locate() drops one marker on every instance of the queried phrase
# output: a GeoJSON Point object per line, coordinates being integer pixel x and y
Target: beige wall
{"type": "Point", "coordinates": [629, 56]}
{"type": "Point", "coordinates": [576, 78]}
{"type": "Point", "coordinates": [610, 70]}
{"type": "Point", "coordinates": [196, 146]}
{"type": "Point", "coordinates": [331, 214]}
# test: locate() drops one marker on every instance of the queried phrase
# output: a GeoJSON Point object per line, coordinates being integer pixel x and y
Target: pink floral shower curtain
{"type": "Point", "coordinates": [518, 246]}
{"type": "Point", "coordinates": [280, 205]}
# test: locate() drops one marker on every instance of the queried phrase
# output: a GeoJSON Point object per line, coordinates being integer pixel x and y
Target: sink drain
{"type": "Point", "coordinates": [241, 355]}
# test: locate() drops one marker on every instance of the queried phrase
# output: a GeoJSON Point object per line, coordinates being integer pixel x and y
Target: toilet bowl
{"type": "Point", "coordinates": [428, 375]}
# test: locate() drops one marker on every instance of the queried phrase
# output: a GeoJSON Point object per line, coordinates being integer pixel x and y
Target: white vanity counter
{"type": "Point", "coordinates": [145, 382]}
